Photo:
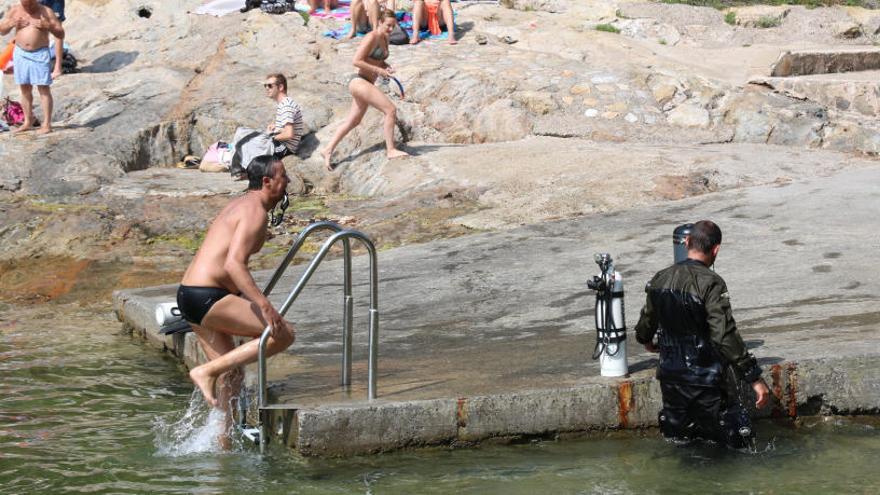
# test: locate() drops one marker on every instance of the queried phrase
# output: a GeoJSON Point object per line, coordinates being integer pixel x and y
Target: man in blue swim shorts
{"type": "Point", "coordinates": [31, 59]}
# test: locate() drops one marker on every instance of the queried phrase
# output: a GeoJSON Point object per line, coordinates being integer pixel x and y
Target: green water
{"type": "Point", "coordinates": [86, 409]}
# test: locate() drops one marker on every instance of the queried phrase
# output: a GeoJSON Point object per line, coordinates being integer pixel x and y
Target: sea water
{"type": "Point", "coordinates": [84, 408]}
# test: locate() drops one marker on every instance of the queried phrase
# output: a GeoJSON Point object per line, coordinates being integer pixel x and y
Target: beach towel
{"type": "Point", "coordinates": [219, 8]}
{"type": "Point", "coordinates": [404, 19]}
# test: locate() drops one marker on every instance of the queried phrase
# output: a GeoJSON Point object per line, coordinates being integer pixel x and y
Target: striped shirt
{"type": "Point", "coordinates": [288, 112]}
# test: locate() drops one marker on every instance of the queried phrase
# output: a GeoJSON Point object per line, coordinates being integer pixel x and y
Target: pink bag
{"type": "Point", "coordinates": [12, 112]}
{"type": "Point", "coordinates": [218, 152]}
{"type": "Point", "coordinates": [213, 153]}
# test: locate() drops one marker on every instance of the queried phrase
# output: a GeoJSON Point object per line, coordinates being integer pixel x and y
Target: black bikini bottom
{"type": "Point", "coordinates": [194, 302]}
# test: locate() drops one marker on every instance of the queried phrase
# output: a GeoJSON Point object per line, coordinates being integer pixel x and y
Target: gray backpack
{"type": "Point", "coordinates": [249, 144]}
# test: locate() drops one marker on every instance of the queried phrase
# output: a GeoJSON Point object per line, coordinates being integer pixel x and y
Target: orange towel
{"type": "Point", "coordinates": [433, 18]}
{"type": "Point", "coordinates": [6, 56]}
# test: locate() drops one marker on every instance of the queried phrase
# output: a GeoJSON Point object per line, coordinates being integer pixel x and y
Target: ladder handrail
{"type": "Point", "coordinates": [301, 239]}
{"type": "Point", "coordinates": [343, 235]}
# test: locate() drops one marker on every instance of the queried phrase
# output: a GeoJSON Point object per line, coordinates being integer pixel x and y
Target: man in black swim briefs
{"type": "Point", "coordinates": [218, 295]}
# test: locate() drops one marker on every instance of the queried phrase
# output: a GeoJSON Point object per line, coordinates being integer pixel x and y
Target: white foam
{"type": "Point", "coordinates": [196, 431]}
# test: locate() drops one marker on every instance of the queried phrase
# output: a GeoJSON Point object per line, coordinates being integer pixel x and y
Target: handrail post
{"type": "Point", "coordinates": [374, 353]}
{"type": "Point", "coordinates": [347, 314]}
{"type": "Point", "coordinates": [261, 390]}
{"type": "Point", "coordinates": [374, 322]}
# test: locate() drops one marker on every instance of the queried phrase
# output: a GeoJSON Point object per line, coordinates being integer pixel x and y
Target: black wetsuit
{"type": "Point", "coordinates": [688, 305]}
{"type": "Point", "coordinates": [194, 302]}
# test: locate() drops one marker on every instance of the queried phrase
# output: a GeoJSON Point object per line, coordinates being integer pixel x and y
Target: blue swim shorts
{"type": "Point", "coordinates": [57, 6]}
{"type": "Point", "coordinates": [33, 68]}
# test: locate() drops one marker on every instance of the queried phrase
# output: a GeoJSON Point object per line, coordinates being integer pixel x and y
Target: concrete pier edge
{"type": "Point", "coordinates": [828, 385]}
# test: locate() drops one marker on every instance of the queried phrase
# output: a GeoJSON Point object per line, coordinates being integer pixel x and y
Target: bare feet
{"type": "Point", "coordinates": [414, 40]}
{"type": "Point", "coordinates": [396, 153]}
{"type": "Point", "coordinates": [205, 383]}
{"type": "Point", "coordinates": [453, 41]}
{"type": "Point", "coordinates": [327, 154]}
{"type": "Point", "coordinates": [26, 126]}
{"type": "Point", "coordinates": [43, 130]}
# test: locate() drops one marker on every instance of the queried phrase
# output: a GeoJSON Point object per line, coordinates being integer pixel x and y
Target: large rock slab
{"type": "Point", "coordinates": [810, 62]}
{"type": "Point", "coordinates": [543, 178]}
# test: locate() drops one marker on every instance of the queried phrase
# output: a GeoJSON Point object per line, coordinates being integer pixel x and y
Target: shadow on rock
{"type": "Point", "coordinates": [463, 28]}
{"type": "Point", "coordinates": [307, 146]}
{"type": "Point", "coordinates": [110, 62]}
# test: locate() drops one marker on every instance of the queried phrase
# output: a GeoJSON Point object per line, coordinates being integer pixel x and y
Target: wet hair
{"type": "Point", "coordinates": [704, 236]}
{"type": "Point", "coordinates": [261, 166]}
{"type": "Point", "coordinates": [279, 79]}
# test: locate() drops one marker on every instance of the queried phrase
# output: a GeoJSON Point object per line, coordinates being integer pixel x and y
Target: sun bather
{"type": "Point", "coordinates": [327, 5]}
{"type": "Point", "coordinates": [433, 15]}
{"type": "Point", "coordinates": [365, 15]}
{"type": "Point", "coordinates": [370, 62]}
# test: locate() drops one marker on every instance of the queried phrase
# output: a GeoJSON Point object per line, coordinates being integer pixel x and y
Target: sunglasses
{"type": "Point", "coordinates": [268, 85]}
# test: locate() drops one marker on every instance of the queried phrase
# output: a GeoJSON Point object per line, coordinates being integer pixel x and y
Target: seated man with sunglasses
{"type": "Point", "coordinates": [287, 128]}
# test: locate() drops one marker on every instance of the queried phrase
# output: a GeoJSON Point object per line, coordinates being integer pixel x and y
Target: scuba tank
{"type": "Point", "coordinates": [679, 239]}
{"type": "Point", "coordinates": [610, 347]}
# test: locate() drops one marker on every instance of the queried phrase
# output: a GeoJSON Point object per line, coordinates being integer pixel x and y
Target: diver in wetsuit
{"type": "Point", "coordinates": [688, 308]}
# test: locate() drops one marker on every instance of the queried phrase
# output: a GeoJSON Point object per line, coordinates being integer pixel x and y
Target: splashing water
{"type": "Point", "coordinates": [196, 431]}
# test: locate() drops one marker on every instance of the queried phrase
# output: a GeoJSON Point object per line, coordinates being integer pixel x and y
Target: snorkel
{"type": "Point", "coordinates": [276, 214]}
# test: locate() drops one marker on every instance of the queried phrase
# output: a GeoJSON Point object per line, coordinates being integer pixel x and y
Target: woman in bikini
{"type": "Point", "coordinates": [370, 62]}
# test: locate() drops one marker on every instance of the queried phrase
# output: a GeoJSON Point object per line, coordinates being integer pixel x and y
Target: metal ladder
{"type": "Point", "coordinates": [260, 434]}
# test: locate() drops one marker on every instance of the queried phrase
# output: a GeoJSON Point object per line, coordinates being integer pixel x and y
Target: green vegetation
{"type": "Point", "coordinates": [730, 18]}
{"type": "Point", "coordinates": [188, 241]}
{"type": "Point", "coordinates": [620, 14]}
{"type": "Point", "coordinates": [768, 21]}
{"type": "Point", "coordinates": [314, 205]}
{"type": "Point", "coordinates": [662, 42]}
{"type": "Point", "coordinates": [718, 4]}
{"type": "Point", "coordinates": [726, 4]}
{"type": "Point", "coordinates": [607, 28]}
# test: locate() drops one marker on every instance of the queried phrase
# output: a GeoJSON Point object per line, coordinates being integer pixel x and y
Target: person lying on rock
{"type": "Point", "coordinates": [433, 15]}
{"type": "Point", "coordinates": [370, 63]}
{"type": "Point", "coordinates": [366, 15]}
{"type": "Point", "coordinates": [327, 5]}
{"type": "Point", "coordinates": [31, 58]}
{"type": "Point", "coordinates": [287, 127]}
{"type": "Point", "coordinates": [218, 295]}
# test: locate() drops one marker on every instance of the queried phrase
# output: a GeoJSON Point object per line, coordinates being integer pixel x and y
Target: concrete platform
{"type": "Point", "coordinates": [490, 335]}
